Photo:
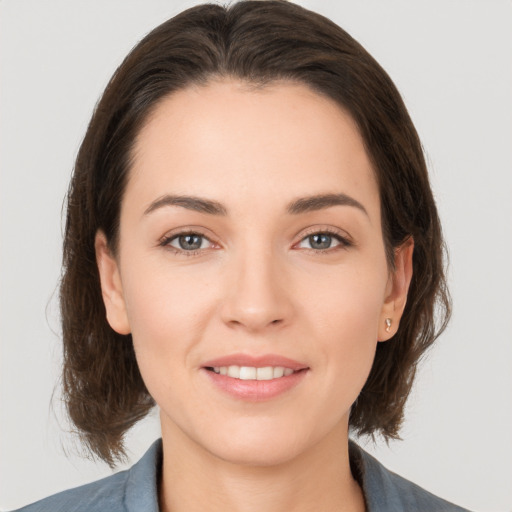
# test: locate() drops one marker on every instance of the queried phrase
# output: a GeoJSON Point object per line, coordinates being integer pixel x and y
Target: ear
{"type": "Point", "coordinates": [111, 286]}
{"type": "Point", "coordinates": [396, 291]}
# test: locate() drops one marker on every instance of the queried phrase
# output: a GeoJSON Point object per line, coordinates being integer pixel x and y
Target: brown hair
{"type": "Point", "coordinates": [258, 42]}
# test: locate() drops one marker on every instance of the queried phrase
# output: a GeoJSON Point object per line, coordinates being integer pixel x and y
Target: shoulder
{"type": "Point", "coordinates": [126, 491]}
{"type": "Point", "coordinates": [386, 491]}
{"type": "Point", "coordinates": [105, 494]}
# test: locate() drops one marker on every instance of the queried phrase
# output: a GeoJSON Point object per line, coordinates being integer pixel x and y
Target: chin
{"type": "Point", "coordinates": [262, 454]}
{"type": "Point", "coordinates": [263, 444]}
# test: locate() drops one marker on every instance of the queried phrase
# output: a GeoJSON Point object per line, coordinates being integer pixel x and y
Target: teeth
{"type": "Point", "coordinates": [266, 373]}
{"type": "Point", "coordinates": [234, 371]}
{"type": "Point", "coordinates": [252, 373]}
{"type": "Point", "coordinates": [247, 373]}
{"type": "Point", "coordinates": [278, 372]}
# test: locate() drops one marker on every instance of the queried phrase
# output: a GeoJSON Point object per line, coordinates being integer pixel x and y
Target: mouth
{"type": "Point", "coordinates": [252, 372]}
{"type": "Point", "coordinates": [255, 379]}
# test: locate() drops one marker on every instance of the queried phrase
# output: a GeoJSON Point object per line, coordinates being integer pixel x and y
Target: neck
{"type": "Point", "coordinates": [319, 479]}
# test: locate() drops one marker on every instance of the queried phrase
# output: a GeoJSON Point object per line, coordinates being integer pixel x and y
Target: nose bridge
{"type": "Point", "coordinates": [256, 297]}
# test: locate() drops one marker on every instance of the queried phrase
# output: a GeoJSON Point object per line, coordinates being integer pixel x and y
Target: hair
{"type": "Point", "coordinates": [258, 43]}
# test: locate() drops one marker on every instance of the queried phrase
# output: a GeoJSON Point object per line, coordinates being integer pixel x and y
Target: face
{"type": "Point", "coordinates": [251, 269]}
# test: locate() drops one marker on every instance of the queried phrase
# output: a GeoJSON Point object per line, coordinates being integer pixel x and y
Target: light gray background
{"type": "Point", "coordinates": [451, 61]}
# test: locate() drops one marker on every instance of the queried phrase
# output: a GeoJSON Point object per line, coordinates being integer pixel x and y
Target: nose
{"type": "Point", "coordinates": [258, 295]}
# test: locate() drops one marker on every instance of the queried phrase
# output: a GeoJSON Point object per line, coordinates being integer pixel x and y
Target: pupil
{"type": "Point", "coordinates": [190, 242]}
{"type": "Point", "coordinates": [320, 241]}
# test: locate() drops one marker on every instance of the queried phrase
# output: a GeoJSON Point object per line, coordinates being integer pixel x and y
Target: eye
{"type": "Point", "coordinates": [322, 241]}
{"type": "Point", "coordinates": [188, 242]}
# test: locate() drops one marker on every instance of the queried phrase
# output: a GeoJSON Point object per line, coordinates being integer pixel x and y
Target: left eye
{"type": "Point", "coordinates": [189, 242]}
{"type": "Point", "coordinates": [320, 241]}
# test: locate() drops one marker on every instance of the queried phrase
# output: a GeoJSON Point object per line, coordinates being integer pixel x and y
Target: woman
{"type": "Point", "coordinates": [251, 244]}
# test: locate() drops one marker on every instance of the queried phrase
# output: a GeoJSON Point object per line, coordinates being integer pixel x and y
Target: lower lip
{"type": "Point", "coordinates": [255, 390]}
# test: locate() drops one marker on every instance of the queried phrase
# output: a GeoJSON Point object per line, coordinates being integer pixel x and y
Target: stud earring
{"type": "Point", "coordinates": [388, 324]}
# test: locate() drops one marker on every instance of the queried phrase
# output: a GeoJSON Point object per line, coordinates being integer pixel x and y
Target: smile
{"type": "Point", "coordinates": [253, 373]}
{"type": "Point", "coordinates": [254, 378]}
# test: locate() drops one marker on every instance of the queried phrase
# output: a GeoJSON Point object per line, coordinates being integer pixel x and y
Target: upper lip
{"type": "Point", "coordinates": [255, 361]}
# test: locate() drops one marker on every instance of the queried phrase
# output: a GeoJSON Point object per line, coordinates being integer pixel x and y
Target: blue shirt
{"type": "Point", "coordinates": [136, 490]}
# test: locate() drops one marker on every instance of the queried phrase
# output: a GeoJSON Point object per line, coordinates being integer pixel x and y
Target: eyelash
{"type": "Point", "coordinates": [344, 242]}
{"type": "Point", "coordinates": [166, 241]}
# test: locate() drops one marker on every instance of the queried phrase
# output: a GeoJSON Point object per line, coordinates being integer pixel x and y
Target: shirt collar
{"type": "Point", "coordinates": [141, 491]}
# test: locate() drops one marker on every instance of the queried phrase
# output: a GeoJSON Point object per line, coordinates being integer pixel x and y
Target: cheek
{"type": "Point", "coordinates": [168, 315]}
{"type": "Point", "coordinates": [350, 299]}
{"type": "Point", "coordinates": [346, 319]}
{"type": "Point", "coordinates": [167, 311]}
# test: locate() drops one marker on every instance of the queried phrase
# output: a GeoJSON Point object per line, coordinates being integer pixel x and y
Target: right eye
{"type": "Point", "coordinates": [188, 242]}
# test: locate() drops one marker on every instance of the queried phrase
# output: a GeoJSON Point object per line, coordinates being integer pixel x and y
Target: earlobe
{"type": "Point", "coordinates": [396, 292]}
{"type": "Point", "coordinates": [111, 286]}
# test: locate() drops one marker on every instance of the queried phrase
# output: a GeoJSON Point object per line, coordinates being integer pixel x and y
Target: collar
{"type": "Point", "coordinates": [383, 490]}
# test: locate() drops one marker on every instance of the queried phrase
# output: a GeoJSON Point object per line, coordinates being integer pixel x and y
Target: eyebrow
{"type": "Point", "coordinates": [296, 207]}
{"type": "Point", "coordinates": [321, 201]}
{"type": "Point", "coordinates": [197, 204]}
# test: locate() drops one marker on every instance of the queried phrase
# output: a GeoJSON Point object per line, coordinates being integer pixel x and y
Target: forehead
{"type": "Point", "coordinates": [275, 142]}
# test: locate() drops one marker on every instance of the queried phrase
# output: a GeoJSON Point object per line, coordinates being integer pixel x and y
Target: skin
{"type": "Point", "coordinates": [256, 286]}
